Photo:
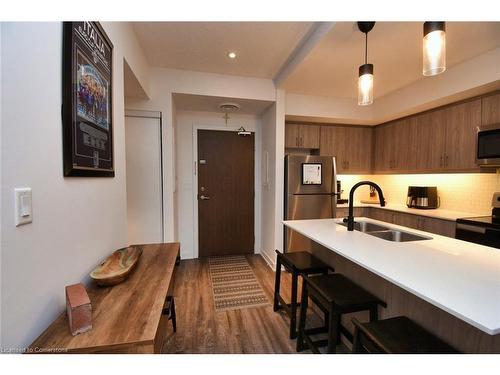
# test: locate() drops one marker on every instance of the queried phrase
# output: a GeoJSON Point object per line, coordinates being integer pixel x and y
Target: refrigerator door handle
{"type": "Point", "coordinates": [334, 189]}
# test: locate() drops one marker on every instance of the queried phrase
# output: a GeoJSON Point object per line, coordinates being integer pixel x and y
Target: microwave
{"type": "Point", "coordinates": [488, 146]}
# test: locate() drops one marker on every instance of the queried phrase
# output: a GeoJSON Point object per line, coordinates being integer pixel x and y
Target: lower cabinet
{"type": "Point", "coordinates": [424, 223]}
{"type": "Point", "coordinates": [344, 211]}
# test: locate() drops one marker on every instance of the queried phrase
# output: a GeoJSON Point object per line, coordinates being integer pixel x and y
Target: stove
{"type": "Point", "coordinates": [484, 230]}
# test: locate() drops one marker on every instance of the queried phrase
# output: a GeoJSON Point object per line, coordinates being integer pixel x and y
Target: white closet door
{"type": "Point", "coordinates": [144, 179]}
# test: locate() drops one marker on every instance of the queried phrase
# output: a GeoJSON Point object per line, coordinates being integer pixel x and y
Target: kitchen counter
{"type": "Point", "coordinates": [458, 277]}
{"type": "Point", "coordinates": [437, 213]}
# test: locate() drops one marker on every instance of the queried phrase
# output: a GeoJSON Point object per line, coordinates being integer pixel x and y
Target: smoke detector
{"type": "Point", "coordinates": [229, 107]}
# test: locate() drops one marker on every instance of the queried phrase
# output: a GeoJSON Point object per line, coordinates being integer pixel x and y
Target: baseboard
{"type": "Point", "coordinates": [268, 260]}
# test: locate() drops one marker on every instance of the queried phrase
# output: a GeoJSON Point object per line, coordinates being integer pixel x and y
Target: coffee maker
{"type": "Point", "coordinates": [423, 197]}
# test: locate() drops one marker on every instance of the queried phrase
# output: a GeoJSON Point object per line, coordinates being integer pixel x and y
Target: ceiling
{"type": "Point", "coordinates": [189, 102]}
{"type": "Point", "coordinates": [261, 47]}
{"type": "Point", "coordinates": [395, 49]}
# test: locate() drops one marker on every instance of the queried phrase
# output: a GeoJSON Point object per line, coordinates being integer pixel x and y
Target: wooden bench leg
{"type": "Point", "coordinates": [277, 282]}
{"type": "Point", "coordinates": [302, 317]}
{"type": "Point", "coordinates": [173, 316]}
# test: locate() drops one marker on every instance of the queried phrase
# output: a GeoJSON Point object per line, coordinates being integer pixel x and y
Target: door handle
{"type": "Point", "coordinates": [204, 198]}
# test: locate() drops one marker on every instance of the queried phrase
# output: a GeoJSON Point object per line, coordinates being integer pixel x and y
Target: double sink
{"type": "Point", "coordinates": [386, 233]}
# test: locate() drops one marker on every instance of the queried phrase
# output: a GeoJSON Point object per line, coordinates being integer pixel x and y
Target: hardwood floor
{"type": "Point", "coordinates": [200, 329]}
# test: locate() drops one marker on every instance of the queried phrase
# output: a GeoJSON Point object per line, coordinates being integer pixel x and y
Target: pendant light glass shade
{"type": "Point", "coordinates": [365, 84]}
{"type": "Point", "coordinates": [434, 48]}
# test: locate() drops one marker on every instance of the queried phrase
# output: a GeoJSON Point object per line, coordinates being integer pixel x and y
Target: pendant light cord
{"type": "Point", "coordinates": [366, 48]}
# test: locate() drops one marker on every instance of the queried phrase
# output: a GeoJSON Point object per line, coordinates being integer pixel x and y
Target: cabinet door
{"type": "Point", "coordinates": [383, 148]}
{"type": "Point", "coordinates": [381, 214]}
{"type": "Point", "coordinates": [292, 135]}
{"type": "Point", "coordinates": [462, 121]}
{"type": "Point", "coordinates": [407, 220]}
{"type": "Point", "coordinates": [309, 136]}
{"type": "Point", "coordinates": [438, 226]}
{"type": "Point", "coordinates": [490, 109]}
{"type": "Point", "coordinates": [404, 145]}
{"type": "Point", "coordinates": [333, 143]}
{"type": "Point", "coordinates": [431, 138]}
{"type": "Point", "coordinates": [358, 150]}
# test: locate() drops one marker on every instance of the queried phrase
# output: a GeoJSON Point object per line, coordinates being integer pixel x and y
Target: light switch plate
{"type": "Point", "coordinates": [23, 212]}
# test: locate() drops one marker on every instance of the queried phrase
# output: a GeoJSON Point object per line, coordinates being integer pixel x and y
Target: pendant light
{"type": "Point", "coordinates": [434, 48]}
{"type": "Point", "coordinates": [365, 79]}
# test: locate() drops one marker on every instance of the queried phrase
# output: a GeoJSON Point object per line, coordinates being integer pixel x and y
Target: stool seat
{"type": "Point", "coordinates": [399, 335]}
{"type": "Point", "coordinates": [304, 262]}
{"type": "Point", "coordinates": [297, 263]}
{"type": "Point", "coordinates": [345, 295]}
{"type": "Point", "coordinates": [336, 295]}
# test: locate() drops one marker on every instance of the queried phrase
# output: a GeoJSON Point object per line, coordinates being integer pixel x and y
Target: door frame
{"type": "Point", "coordinates": [256, 180]}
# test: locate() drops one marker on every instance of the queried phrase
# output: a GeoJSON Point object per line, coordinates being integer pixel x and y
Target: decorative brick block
{"type": "Point", "coordinates": [78, 309]}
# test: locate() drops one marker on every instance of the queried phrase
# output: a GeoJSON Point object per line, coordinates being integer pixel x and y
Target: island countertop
{"type": "Point", "coordinates": [459, 277]}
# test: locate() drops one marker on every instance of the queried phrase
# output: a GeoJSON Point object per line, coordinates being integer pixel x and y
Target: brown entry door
{"type": "Point", "coordinates": [225, 193]}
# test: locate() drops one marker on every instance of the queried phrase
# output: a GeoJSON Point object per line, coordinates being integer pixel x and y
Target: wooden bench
{"type": "Point", "coordinates": [126, 318]}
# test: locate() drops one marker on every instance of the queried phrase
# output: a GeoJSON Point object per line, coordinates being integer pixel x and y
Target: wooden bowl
{"type": "Point", "coordinates": [117, 267]}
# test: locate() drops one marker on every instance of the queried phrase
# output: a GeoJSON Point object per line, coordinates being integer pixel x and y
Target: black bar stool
{"type": "Point", "coordinates": [398, 335]}
{"type": "Point", "coordinates": [296, 263]}
{"type": "Point", "coordinates": [337, 295]}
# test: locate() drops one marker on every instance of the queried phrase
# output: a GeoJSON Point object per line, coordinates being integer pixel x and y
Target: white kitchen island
{"type": "Point", "coordinates": [459, 277]}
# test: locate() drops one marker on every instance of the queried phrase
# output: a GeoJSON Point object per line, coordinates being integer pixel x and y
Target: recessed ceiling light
{"type": "Point", "coordinates": [231, 55]}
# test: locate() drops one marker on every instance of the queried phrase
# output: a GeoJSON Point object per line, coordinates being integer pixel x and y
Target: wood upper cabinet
{"type": "Point", "coordinates": [395, 146]}
{"type": "Point", "coordinates": [383, 145]}
{"type": "Point", "coordinates": [309, 136]}
{"type": "Point", "coordinates": [462, 122]}
{"type": "Point", "coordinates": [358, 149]}
{"type": "Point", "coordinates": [333, 143]}
{"type": "Point", "coordinates": [430, 140]}
{"type": "Point", "coordinates": [490, 109]}
{"type": "Point", "coordinates": [302, 136]}
{"type": "Point", "coordinates": [443, 140]}
{"type": "Point", "coordinates": [351, 145]}
{"type": "Point", "coordinates": [292, 135]}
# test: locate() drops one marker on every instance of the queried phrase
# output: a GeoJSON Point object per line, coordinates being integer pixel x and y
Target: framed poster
{"type": "Point", "coordinates": [87, 100]}
{"type": "Point", "coordinates": [311, 174]}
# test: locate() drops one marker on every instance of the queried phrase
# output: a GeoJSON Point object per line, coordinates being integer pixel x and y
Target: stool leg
{"type": "Point", "coordinates": [293, 306]}
{"type": "Point", "coordinates": [302, 317]}
{"type": "Point", "coordinates": [356, 343]}
{"type": "Point", "coordinates": [333, 330]}
{"type": "Point", "coordinates": [374, 314]}
{"type": "Point", "coordinates": [173, 316]}
{"type": "Point", "coordinates": [277, 282]}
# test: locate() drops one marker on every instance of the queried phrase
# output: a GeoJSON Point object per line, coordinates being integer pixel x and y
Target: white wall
{"type": "Point", "coordinates": [76, 221]}
{"type": "Point", "coordinates": [268, 172]}
{"type": "Point", "coordinates": [186, 124]}
{"type": "Point", "coordinates": [472, 77]}
{"type": "Point", "coordinates": [166, 82]}
{"type": "Point", "coordinates": [273, 148]}
{"type": "Point", "coordinates": [327, 109]}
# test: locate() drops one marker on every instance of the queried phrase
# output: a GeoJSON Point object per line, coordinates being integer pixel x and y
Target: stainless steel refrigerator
{"type": "Point", "coordinates": [310, 193]}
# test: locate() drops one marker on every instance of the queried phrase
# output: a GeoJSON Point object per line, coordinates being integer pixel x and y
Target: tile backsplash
{"type": "Point", "coordinates": [466, 192]}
